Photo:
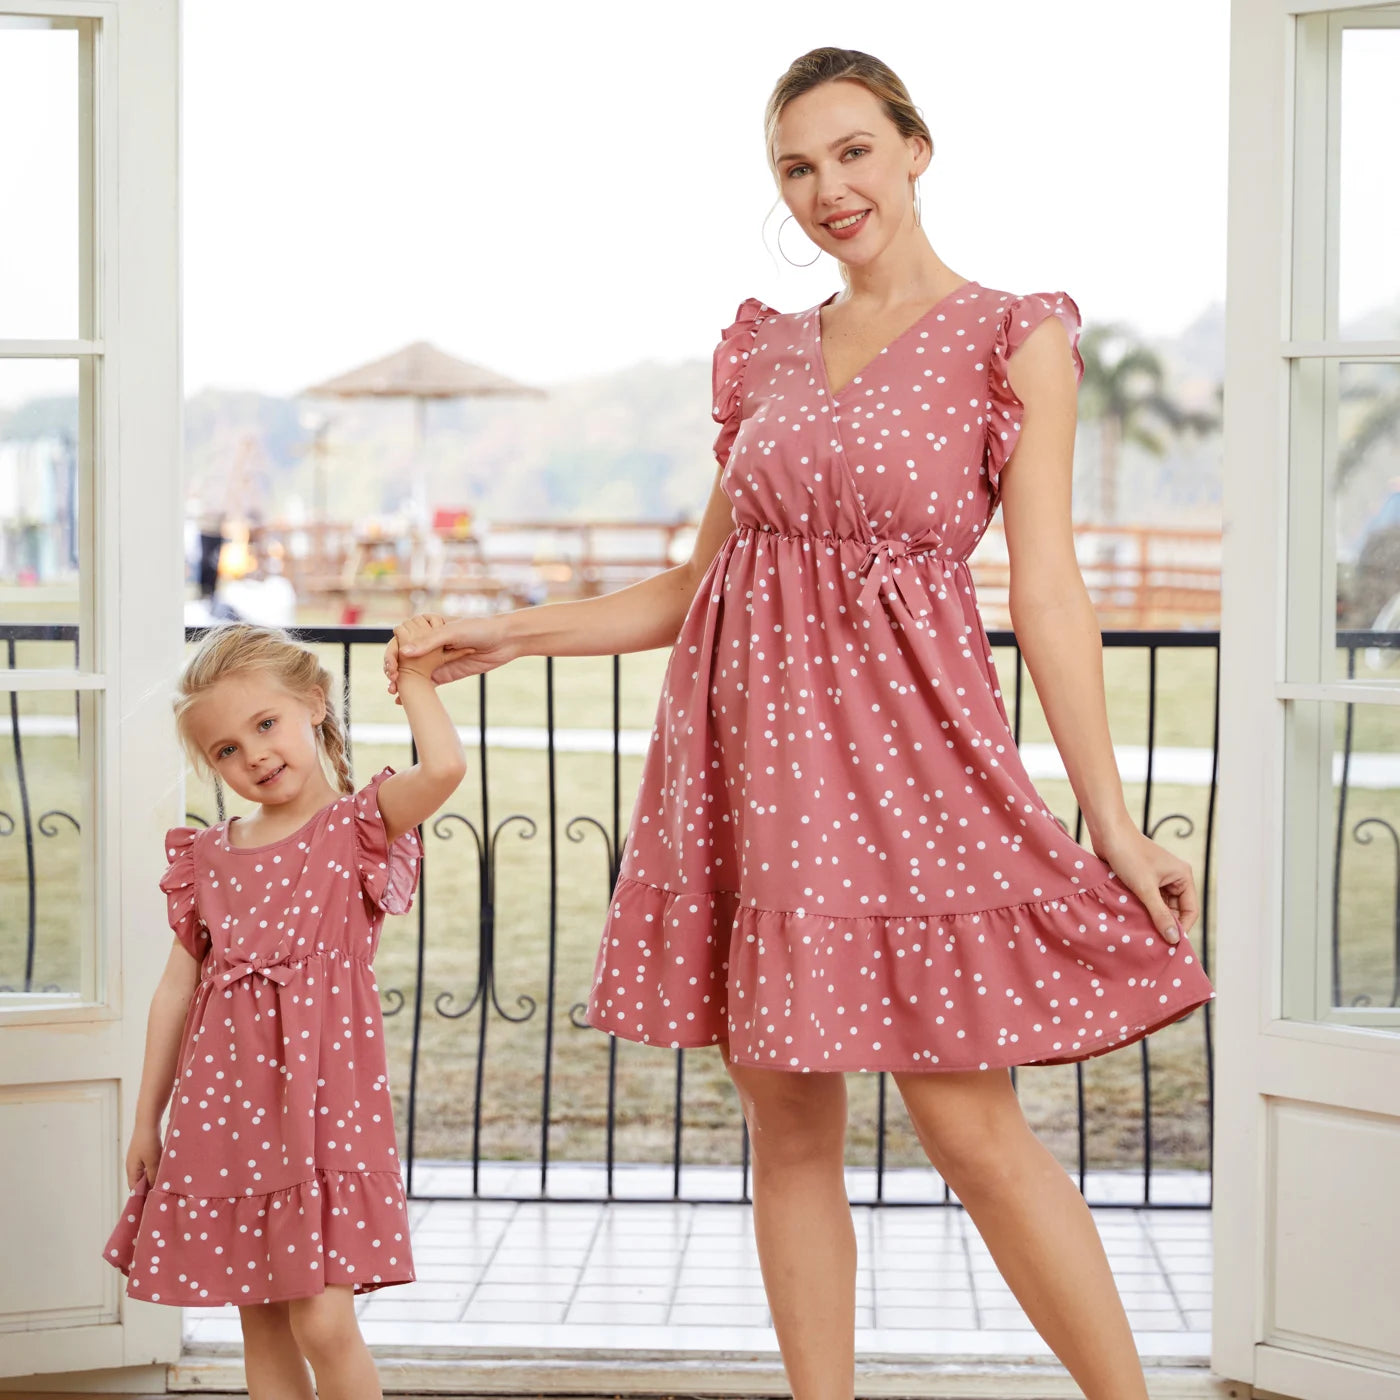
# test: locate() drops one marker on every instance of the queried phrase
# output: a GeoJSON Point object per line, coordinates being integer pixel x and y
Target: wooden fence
{"type": "Point", "coordinates": [1139, 576]}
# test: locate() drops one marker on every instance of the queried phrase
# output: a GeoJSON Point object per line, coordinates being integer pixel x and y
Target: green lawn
{"type": "Point", "coordinates": [514, 1065]}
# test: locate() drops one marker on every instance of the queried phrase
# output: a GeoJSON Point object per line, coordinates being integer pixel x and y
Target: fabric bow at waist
{"type": "Point", "coordinates": [279, 970]}
{"type": "Point", "coordinates": [880, 565]}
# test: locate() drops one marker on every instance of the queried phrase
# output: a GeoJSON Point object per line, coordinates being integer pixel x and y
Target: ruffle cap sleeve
{"type": "Point", "coordinates": [1019, 317]}
{"type": "Point", "coordinates": [727, 371]}
{"type": "Point", "coordinates": [388, 873]}
{"type": "Point", "coordinates": [179, 884]}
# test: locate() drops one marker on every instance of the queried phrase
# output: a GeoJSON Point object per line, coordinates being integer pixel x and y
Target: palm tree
{"type": "Point", "coordinates": [1123, 390]}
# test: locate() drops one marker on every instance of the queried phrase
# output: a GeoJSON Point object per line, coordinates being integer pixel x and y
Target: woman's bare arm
{"type": "Point", "coordinates": [1058, 631]}
{"type": "Point", "coordinates": [1051, 612]}
{"type": "Point", "coordinates": [636, 618]}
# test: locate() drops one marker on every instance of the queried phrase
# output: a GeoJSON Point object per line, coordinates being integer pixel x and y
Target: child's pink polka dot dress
{"type": "Point", "coordinates": [836, 860]}
{"type": "Point", "coordinates": [279, 1173]}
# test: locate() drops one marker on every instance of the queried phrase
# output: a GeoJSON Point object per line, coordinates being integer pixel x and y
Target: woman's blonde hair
{"type": "Point", "coordinates": [235, 647]}
{"type": "Point", "coordinates": [827, 65]}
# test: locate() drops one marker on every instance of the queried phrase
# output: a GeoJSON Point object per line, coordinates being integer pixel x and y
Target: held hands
{"type": "Point", "coordinates": [143, 1156]}
{"type": "Point", "coordinates": [1162, 881]}
{"type": "Point", "coordinates": [446, 651]}
{"type": "Point", "coordinates": [426, 632]}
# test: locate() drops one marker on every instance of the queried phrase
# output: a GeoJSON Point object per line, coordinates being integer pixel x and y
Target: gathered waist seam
{"type": "Point", "coordinates": [931, 548]}
{"type": "Point", "coordinates": [212, 970]}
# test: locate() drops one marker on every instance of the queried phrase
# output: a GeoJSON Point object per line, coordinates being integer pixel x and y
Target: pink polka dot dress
{"type": "Point", "coordinates": [279, 1173]}
{"type": "Point", "coordinates": [836, 859]}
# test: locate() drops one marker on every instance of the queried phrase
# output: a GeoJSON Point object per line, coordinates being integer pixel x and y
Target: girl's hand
{"type": "Point", "coordinates": [469, 646]}
{"type": "Point", "coordinates": [1162, 881]}
{"type": "Point", "coordinates": [143, 1155]}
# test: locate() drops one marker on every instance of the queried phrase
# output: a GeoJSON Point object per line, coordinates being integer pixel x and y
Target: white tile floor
{"type": "Point", "coordinates": [564, 1274]}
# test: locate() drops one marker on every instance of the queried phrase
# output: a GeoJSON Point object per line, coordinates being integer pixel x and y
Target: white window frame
{"type": "Point", "coordinates": [1311, 356]}
{"type": "Point", "coordinates": [98, 554]}
{"type": "Point", "coordinates": [89, 1049]}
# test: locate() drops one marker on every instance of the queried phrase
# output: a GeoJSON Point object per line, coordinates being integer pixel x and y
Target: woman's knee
{"type": "Point", "coordinates": [792, 1117]}
{"type": "Point", "coordinates": [970, 1124]}
{"type": "Point", "coordinates": [324, 1325]}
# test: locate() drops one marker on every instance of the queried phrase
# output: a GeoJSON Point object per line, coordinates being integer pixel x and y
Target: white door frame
{"type": "Point", "coordinates": [81, 1056]}
{"type": "Point", "coordinates": [1289, 1091]}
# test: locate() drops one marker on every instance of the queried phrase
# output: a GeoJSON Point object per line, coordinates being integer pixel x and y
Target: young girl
{"type": "Point", "coordinates": [277, 1186]}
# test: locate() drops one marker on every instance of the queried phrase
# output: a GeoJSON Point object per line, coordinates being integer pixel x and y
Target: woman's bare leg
{"type": "Point", "coordinates": [802, 1223]}
{"type": "Point", "coordinates": [1034, 1221]}
{"type": "Point", "coordinates": [272, 1362]}
{"type": "Point", "coordinates": [328, 1332]}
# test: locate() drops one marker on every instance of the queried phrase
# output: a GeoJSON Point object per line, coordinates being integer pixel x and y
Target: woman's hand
{"type": "Point", "coordinates": [1162, 881]}
{"type": "Point", "coordinates": [143, 1155]}
{"type": "Point", "coordinates": [469, 646]}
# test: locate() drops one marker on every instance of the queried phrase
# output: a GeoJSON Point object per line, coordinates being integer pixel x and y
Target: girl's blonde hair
{"type": "Point", "coordinates": [826, 65]}
{"type": "Point", "coordinates": [234, 647]}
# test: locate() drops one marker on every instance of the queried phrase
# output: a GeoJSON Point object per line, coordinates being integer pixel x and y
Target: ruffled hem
{"type": "Point", "coordinates": [338, 1228]}
{"type": "Point", "coordinates": [1047, 981]}
{"type": "Point", "coordinates": [179, 884]}
{"type": "Point", "coordinates": [388, 873]}
{"type": "Point", "coordinates": [727, 371]}
{"type": "Point", "coordinates": [1018, 319]}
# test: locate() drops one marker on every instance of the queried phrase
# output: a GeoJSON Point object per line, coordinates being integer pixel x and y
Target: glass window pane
{"type": "Point", "coordinates": [1369, 245]}
{"type": "Point", "coordinates": [46, 847]}
{"type": "Point", "coordinates": [1363, 437]}
{"type": "Point", "coordinates": [40, 527]}
{"type": "Point", "coordinates": [39, 175]}
{"type": "Point", "coordinates": [1343, 577]}
{"type": "Point", "coordinates": [1342, 947]}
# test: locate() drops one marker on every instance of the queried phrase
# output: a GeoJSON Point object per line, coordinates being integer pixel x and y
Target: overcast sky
{"type": "Point", "coordinates": [561, 189]}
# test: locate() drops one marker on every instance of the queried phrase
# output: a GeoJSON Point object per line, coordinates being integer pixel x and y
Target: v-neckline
{"type": "Point", "coordinates": [834, 394]}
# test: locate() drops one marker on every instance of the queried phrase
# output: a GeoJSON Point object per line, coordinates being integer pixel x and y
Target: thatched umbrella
{"type": "Point", "coordinates": [421, 372]}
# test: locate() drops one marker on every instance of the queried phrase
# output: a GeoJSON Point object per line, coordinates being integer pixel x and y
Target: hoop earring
{"type": "Point", "coordinates": [918, 222]}
{"type": "Point", "coordinates": [785, 256]}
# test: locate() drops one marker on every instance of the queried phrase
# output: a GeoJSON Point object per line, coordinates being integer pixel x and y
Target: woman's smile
{"type": "Point", "coordinates": [847, 225]}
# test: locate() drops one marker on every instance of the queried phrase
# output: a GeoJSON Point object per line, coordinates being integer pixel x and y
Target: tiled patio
{"type": "Point", "coordinates": [561, 1275]}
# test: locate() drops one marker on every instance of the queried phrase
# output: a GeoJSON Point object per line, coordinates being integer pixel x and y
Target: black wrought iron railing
{"type": "Point", "coordinates": [485, 1075]}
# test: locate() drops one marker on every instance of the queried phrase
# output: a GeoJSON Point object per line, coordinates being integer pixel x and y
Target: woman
{"type": "Point", "coordinates": [836, 860]}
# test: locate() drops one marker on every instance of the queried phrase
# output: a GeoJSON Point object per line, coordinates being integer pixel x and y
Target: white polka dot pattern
{"type": "Point", "coordinates": [279, 1172]}
{"type": "Point", "coordinates": [836, 859]}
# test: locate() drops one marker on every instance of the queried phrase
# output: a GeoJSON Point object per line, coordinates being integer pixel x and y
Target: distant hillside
{"type": "Point", "coordinates": [627, 445]}
{"type": "Point", "coordinates": [633, 445]}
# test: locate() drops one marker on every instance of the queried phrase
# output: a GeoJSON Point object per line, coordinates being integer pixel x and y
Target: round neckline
{"type": "Point", "coordinates": [281, 840]}
{"type": "Point", "coordinates": [923, 316]}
